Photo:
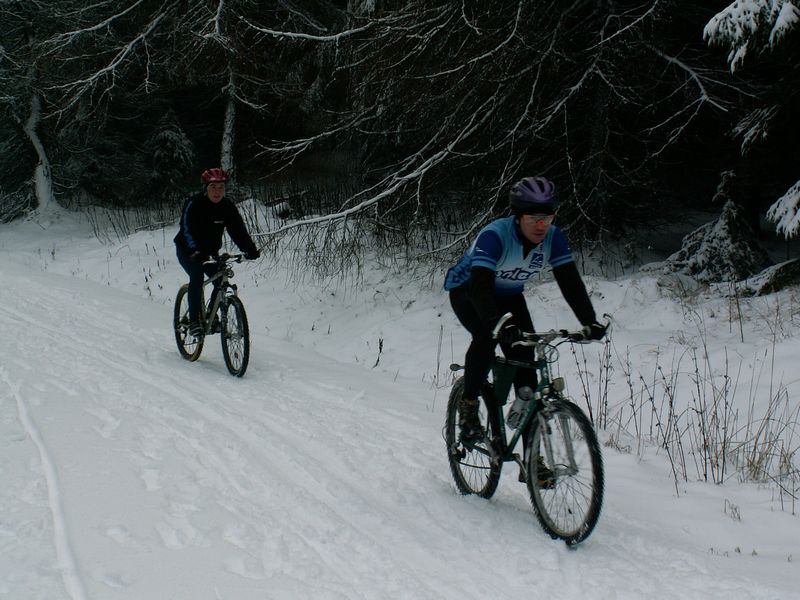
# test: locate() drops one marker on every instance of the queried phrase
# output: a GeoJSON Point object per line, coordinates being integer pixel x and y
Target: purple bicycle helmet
{"type": "Point", "coordinates": [533, 195]}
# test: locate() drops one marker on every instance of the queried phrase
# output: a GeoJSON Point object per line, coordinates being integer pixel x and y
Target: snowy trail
{"type": "Point", "coordinates": [308, 478]}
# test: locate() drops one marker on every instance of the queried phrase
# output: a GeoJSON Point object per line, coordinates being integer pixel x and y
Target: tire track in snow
{"type": "Point", "coordinates": [70, 574]}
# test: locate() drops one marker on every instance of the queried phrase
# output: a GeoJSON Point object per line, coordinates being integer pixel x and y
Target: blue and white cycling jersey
{"type": "Point", "coordinates": [499, 247]}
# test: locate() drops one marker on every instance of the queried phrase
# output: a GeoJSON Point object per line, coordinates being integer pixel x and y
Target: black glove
{"type": "Point", "coordinates": [252, 255]}
{"type": "Point", "coordinates": [509, 334]}
{"type": "Point", "coordinates": [596, 331]}
{"type": "Point", "coordinates": [199, 256]}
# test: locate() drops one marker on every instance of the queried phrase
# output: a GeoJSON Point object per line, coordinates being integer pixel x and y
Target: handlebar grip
{"type": "Point", "coordinates": [500, 322]}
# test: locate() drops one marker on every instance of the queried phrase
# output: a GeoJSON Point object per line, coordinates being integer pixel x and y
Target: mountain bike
{"type": "Point", "coordinates": [224, 314]}
{"type": "Point", "coordinates": [561, 465]}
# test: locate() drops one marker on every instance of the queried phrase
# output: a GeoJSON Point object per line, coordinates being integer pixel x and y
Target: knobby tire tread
{"type": "Point", "coordinates": [235, 307]}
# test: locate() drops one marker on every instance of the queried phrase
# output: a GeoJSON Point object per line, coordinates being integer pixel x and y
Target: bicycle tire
{"type": "Point", "coordinates": [475, 468]}
{"type": "Point", "coordinates": [568, 499]}
{"type": "Point", "coordinates": [189, 346]}
{"type": "Point", "coordinates": [235, 336]}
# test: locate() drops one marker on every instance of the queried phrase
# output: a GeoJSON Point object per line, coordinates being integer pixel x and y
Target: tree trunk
{"type": "Point", "coordinates": [43, 179]}
{"type": "Point", "coordinates": [228, 130]}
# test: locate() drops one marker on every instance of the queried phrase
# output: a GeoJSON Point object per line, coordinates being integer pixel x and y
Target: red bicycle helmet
{"type": "Point", "coordinates": [215, 175]}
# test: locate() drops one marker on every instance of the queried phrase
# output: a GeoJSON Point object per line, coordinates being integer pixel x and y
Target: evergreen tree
{"type": "Point", "coordinates": [763, 43]}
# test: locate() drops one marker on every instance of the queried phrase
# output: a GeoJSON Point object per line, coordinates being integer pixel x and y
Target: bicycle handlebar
{"type": "Point", "coordinates": [223, 258]}
{"type": "Point", "coordinates": [581, 336]}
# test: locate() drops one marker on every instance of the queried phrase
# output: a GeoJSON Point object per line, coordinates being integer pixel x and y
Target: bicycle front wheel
{"type": "Point", "coordinates": [235, 336]}
{"type": "Point", "coordinates": [189, 346]}
{"type": "Point", "coordinates": [474, 466]}
{"type": "Point", "coordinates": [565, 472]}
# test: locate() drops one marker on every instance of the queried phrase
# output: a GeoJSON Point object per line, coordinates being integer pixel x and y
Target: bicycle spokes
{"type": "Point", "coordinates": [563, 443]}
{"type": "Point", "coordinates": [475, 465]}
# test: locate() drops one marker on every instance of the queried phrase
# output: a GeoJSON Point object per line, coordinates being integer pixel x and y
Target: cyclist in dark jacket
{"type": "Point", "coordinates": [489, 279]}
{"type": "Point", "coordinates": [204, 219]}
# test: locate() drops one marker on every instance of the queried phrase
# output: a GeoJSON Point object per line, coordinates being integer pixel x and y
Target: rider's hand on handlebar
{"type": "Point", "coordinates": [252, 255]}
{"type": "Point", "coordinates": [596, 331]}
{"type": "Point", "coordinates": [509, 334]}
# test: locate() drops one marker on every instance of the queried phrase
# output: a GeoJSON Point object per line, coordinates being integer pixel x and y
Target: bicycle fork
{"type": "Point", "coordinates": [558, 469]}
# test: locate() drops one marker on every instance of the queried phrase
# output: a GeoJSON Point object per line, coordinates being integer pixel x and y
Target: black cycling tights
{"type": "Point", "coordinates": [480, 353]}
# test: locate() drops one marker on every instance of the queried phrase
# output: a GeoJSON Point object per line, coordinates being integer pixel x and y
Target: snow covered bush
{"type": "Point", "coordinates": [722, 250]}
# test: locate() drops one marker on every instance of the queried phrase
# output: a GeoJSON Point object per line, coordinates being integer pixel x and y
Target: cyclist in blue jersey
{"type": "Point", "coordinates": [204, 219]}
{"type": "Point", "coordinates": [488, 282]}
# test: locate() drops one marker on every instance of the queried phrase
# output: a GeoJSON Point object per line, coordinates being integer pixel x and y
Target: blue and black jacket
{"type": "Point", "coordinates": [203, 223]}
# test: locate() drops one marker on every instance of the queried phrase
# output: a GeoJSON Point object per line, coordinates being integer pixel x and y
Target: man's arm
{"type": "Point", "coordinates": [574, 291]}
{"type": "Point", "coordinates": [238, 232]}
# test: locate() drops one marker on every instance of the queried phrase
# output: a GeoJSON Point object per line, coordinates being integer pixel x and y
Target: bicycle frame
{"type": "Point", "coordinates": [503, 372]}
{"type": "Point", "coordinates": [496, 393]}
{"type": "Point", "coordinates": [226, 288]}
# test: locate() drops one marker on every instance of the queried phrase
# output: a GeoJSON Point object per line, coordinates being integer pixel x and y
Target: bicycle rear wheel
{"type": "Point", "coordinates": [235, 336]}
{"type": "Point", "coordinates": [189, 346]}
{"type": "Point", "coordinates": [566, 484]}
{"type": "Point", "coordinates": [475, 467]}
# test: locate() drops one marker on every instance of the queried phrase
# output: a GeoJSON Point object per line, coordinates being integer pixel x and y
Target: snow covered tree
{"type": "Point", "coordinates": [173, 155]}
{"type": "Point", "coordinates": [763, 35]}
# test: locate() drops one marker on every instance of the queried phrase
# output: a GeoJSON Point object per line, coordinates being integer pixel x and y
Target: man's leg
{"type": "Point", "coordinates": [477, 363]}
{"type": "Point", "coordinates": [517, 306]}
{"type": "Point", "coordinates": [195, 295]}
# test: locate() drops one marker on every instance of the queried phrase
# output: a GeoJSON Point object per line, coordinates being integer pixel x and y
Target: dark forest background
{"type": "Point", "coordinates": [413, 116]}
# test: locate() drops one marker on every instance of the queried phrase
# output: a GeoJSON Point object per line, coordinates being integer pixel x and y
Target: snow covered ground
{"type": "Point", "coordinates": [129, 473]}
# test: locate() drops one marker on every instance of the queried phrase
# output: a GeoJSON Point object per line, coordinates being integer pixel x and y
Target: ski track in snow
{"type": "Point", "coordinates": [305, 479]}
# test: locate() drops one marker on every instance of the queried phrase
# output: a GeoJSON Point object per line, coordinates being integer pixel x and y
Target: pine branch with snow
{"type": "Point", "coordinates": [785, 212]}
{"type": "Point", "coordinates": [751, 25]}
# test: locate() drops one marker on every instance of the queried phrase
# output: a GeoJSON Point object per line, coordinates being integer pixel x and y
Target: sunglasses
{"type": "Point", "coordinates": [539, 218]}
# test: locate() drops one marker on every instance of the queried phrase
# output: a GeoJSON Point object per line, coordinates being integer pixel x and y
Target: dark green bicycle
{"type": "Point", "coordinates": [561, 464]}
